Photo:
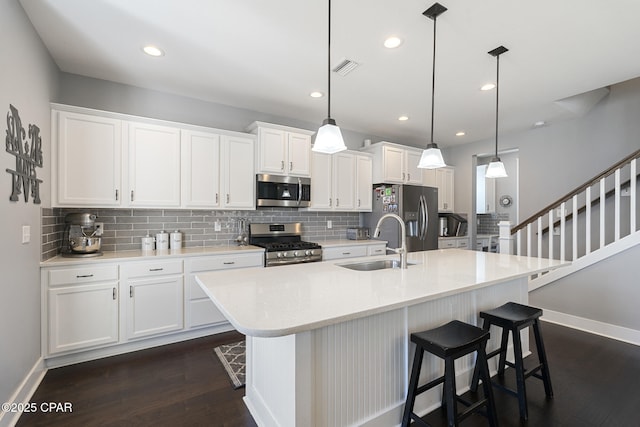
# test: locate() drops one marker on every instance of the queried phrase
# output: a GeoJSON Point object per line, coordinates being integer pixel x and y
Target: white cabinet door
{"type": "Point", "coordinates": [154, 165]}
{"type": "Point", "coordinates": [154, 306]}
{"type": "Point", "coordinates": [485, 191]}
{"type": "Point", "coordinates": [364, 184]}
{"type": "Point", "coordinates": [377, 249]}
{"type": "Point", "coordinates": [344, 181]}
{"type": "Point", "coordinates": [89, 159]}
{"type": "Point", "coordinates": [321, 181]}
{"type": "Point", "coordinates": [272, 151]}
{"type": "Point", "coordinates": [444, 181]}
{"type": "Point", "coordinates": [200, 159]}
{"type": "Point", "coordinates": [299, 153]}
{"type": "Point", "coordinates": [413, 173]}
{"type": "Point", "coordinates": [393, 164]}
{"type": "Point", "coordinates": [238, 178]}
{"type": "Point", "coordinates": [82, 316]}
{"type": "Point", "coordinates": [344, 252]}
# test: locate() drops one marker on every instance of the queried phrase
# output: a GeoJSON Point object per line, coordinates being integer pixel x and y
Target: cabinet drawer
{"type": "Point", "coordinates": [344, 252]}
{"type": "Point", "coordinates": [83, 275]}
{"type": "Point", "coordinates": [462, 243]}
{"type": "Point", "coordinates": [376, 250]}
{"type": "Point", "coordinates": [446, 244]}
{"type": "Point", "coordinates": [223, 262]}
{"type": "Point", "coordinates": [152, 268]}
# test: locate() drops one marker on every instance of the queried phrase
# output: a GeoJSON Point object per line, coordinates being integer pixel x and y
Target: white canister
{"type": "Point", "coordinates": [162, 240]}
{"type": "Point", "coordinates": [175, 240]}
{"type": "Point", "coordinates": [147, 243]}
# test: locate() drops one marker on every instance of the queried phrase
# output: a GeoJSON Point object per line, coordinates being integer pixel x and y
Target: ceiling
{"type": "Point", "coordinates": [269, 55]}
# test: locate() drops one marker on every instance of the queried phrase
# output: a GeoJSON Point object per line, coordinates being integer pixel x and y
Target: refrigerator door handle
{"type": "Point", "coordinates": [422, 217]}
{"type": "Point", "coordinates": [425, 222]}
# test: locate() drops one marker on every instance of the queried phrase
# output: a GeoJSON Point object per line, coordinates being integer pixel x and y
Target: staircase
{"type": "Point", "coordinates": [592, 222]}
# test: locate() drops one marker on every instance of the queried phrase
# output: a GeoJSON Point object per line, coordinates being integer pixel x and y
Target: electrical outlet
{"type": "Point", "coordinates": [329, 224]}
{"type": "Point", "coordinates": [99, 228]}
{"type": "Point", "coordinates": [26, 233]}
{"type": "Point", "coordinates": [217, 226]}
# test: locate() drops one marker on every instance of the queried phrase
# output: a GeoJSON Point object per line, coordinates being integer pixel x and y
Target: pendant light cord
{"type": "Point", "coordinates": [433, 77]}
{"type": "Point", "coordinates": [329, 65]}
{"type": "Point", "coordinates": [497, 98]}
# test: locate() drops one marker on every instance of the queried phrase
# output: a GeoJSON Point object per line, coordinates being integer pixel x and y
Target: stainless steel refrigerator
{"type": "Point", "coordinates": [416, 205]}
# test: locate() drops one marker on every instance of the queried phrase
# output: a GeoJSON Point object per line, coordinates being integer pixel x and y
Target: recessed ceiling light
{"type": "Point", "coordinates": [461, 133]}
{"type": "Point", "coordinates": [316, 94]}
{"type": "Point", "coordinates": [539, 124]}
{"type": "Point", "coordinates": [153, 51]}
{"type": "Point", "coordinates": [403, 118]}
{"type": "Point", "coordinates": [392, 42]}
{"type": "Point", "coordinates": [488, 86]}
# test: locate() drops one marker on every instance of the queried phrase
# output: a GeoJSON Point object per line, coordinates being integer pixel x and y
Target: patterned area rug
{"type": "Point", "coordinates": [232, 358]}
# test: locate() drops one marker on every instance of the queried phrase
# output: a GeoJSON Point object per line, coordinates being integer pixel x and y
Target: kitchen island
{"type": "Point", "coordinates": [327, 345]}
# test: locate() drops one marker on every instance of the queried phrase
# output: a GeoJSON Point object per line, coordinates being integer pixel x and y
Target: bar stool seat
{"type": "Point", "coordinates": [512, 318]}
{"type": "Point", "coordinates": [449, 342]}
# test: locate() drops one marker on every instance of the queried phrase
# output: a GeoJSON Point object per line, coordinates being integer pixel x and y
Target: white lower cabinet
{"type": "Point", "coordinates": [154, 297]}
{"type": "Point", "coordinates": [453, 242]}
{"type": "Point", "coordinates": [82, 308]}
{"type": "Point", "coordinates": [201, 311]}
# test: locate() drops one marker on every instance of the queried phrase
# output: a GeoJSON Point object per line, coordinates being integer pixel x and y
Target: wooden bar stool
{"type": "Point", "coordinates": [513, 317]}
{"type": "Point", "coordinates": [449, 342]}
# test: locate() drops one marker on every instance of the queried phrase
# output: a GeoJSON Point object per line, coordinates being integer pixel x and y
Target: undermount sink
{"type": "Point", "coordinates": [373, 265]}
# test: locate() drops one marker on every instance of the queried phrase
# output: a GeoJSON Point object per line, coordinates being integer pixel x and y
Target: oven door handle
{"type": "Point", "coordinates": [299, 191]}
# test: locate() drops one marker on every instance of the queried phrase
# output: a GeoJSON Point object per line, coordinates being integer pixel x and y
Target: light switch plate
{"type": "Point", "coordinates": [26, 233]}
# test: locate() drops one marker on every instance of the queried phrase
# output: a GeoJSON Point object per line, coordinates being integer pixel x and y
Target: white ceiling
{"type": "Point", "coordinates": [269, 55]}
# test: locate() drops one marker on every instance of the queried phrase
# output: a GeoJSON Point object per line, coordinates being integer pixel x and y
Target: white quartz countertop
{"type": "Point", "coordinates": [283, 300]}
{"type": "Point", "coordinates": [138, 255]}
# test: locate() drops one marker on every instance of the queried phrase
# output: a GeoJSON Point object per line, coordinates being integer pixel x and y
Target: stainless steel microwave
{"type": "Point", "coordinates": [283, 191]}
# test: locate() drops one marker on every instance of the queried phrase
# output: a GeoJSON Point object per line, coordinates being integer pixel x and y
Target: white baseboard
{"type": "Point", "coordinates": [615, 332]}
{"type": "Point", "coordinates": [24, 392]}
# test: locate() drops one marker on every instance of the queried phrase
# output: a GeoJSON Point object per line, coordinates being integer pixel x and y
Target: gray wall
{"type": "Point", "coordinates": [553, 160]}
{"type": "Point", "coordinates": [109, 96]}
{"type": "Point", "coordinates": [28, 82]}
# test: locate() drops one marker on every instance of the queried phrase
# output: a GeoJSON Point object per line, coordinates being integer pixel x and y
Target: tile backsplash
{"type": "Point", "coordinates": [123, 228]}
{"type": "Point", "coordinates": [488, 223]}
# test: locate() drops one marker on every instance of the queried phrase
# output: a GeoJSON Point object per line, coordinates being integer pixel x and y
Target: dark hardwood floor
{"type": "Point", "coordinates": [594, 380]}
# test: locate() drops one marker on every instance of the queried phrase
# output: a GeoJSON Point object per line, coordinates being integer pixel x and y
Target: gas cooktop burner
{"type": "Point", "coordinates": [282, 244]}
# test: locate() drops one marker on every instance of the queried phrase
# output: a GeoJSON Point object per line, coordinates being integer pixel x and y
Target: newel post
{"type": "Point", "coordinates": [505, 239]}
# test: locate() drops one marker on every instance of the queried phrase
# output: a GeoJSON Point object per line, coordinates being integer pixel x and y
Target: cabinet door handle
{"type": "Point", "coordinates": [403, 175]}
{"type": "Point", "coordinates": [358, 202]}
{"type": "Point", "coordinates": [290, 166]}
{"type": "Point", "coordinates": [229, 262]}
{"type": "Point", "coordinates": [330, 202]}
{"type": "Point", "coordinates": [217, 198]}
{"type": "Point", "coordinates": [282, 165]}
{"type": "Point", "coordinates": [130, 291]}
{"type": "Point", "coordinates": [115, 294]}
{"type": "Point", "coordinates": [408, 177]}
{"type": "Point", "coordinates": [82, 276]}
{"type": "Point", "coordinates": [378, 250]}
{"type": "Point", "coordinates": [132, 195]}
{"type": "Point", "coordinates": [337, 202]}
{"type": "Point", "coordinates": [227, 197]}
{"type": "Point", "coordinates": [346, 253]}
{"type": "Point", "coordinates": [116, 195]}
{"type": "Point", "coordinates": [156, 269]}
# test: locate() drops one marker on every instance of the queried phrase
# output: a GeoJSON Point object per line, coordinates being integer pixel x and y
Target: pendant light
{"type": "Point", "coordinates": [496, 167]}
{"type": "Point", "coordinates": [329, 138]}
{"type": "Point", "coordinates": [432, 156]}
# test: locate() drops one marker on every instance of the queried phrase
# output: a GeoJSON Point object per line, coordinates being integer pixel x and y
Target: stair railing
{"type": "Point", "coordinates": [553, 237]}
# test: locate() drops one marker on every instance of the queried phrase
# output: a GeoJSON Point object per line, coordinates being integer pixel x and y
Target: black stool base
{"type": "Point", "coordinates": [512, 318]}
{"type": "Point", "coordinates": [450, 342]}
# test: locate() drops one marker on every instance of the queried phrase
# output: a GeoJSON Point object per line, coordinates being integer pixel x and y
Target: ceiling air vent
{"type": "Point", "coordinates": [345, 67]}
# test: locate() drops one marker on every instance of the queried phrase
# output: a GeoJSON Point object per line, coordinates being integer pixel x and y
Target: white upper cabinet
{"type": "Point", "coordinates": [87, 160]}
{"type": "Point", "coordinates": [103, 159]}
{"type": "Point", "coordinates": [444, 183]}
{"type": "Point", "coordinates": [395, 163]}
{"type": "Point", "coordinates": [154, 165]}
{"type": "Point", "coordinates": [485, 191]}
{"type": "Point", "coordinates": [200, 171]}
{"type": "Point", "coordinates": [238, 178]}
{"type": "Point", "coordinates": [282, 150]}
{"type": "Point", "coordinates": [364, 183]}
{"type": "Point", "coordinates": [341, 181]}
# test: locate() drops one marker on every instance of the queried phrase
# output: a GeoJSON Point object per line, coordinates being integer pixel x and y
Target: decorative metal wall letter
{"type": "Point", "coordinates": [28, 157]}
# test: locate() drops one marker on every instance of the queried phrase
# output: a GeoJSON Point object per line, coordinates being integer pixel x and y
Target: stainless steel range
{"type": "Point", "coordinates": [283, 244]}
